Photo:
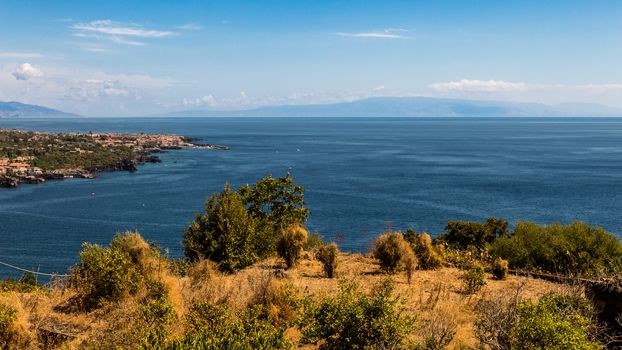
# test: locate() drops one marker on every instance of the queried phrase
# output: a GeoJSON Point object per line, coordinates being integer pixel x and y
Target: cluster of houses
{"type": "Point", "coordinates": [19, 166]}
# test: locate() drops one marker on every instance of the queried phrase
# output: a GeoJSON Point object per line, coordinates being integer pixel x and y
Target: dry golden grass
{"type": "Point", "coordinates": [434, 296]}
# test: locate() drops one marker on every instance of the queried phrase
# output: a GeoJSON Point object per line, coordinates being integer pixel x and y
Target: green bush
{"type": "Point", "coordinates": [104, 275]}
{"type": "Point", "coordinates": [8, 316]}
{"type": "Point", "coordinates": [576, 248]}
{"type": "Point", "coordinates": [473, 279]}
{"type": "Point", "coordinates": [394, 253]}
{"type": "Point", "coordinates": [500, 269]}
{"type": "Point", "coordinates": [274, 203]}
{"type": "Point", "coordinates": [26, 283]}
{"type": "Point", "coordinates": [327, 255]}
{"type": "Point", "coordinates": [216, 327]}
{"type": "Point", "coordinates": [108, 274]}
{"type": "Point", "coordinates": [555, 322]}
{"type": "Point", "coordinates": [465, 234]}
{"type": "Point", "coordinates": [291, 243]}
{"type": "Point", "coordinates": [353, 320]}
{"type": "Point", "coordinates": [224, 234]}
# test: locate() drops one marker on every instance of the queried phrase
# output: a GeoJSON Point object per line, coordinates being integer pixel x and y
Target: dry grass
{"type": "Point", "coordinates": [434, 296]}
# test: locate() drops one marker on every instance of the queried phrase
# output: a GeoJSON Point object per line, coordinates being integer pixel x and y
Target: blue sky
{"type": "Point", "coordinates": [143, 57]}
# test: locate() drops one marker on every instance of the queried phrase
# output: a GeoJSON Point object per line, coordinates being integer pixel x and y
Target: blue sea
{"type": "Point", "coordinates": [361, 175]}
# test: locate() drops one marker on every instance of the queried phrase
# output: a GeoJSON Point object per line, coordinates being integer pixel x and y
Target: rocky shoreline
{"type": "Point", "coordinates": [142, 146]}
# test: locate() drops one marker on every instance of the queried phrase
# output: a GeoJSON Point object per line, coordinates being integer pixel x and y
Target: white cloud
{"type": "Point", "coordinates": [118, 32]}
{"type": "Point", "coordinates": [389, 33]}
{"type": "Point", "coordinates": [109, 27]}
{"type": "Point", "coordinates": [466, 85]}
{"type": "Point", "coordinates": [190, 26]}
{"type": "Point", "coordinates": [30, 55]}
{"type": "Point", "coordinates": [379, 88]}
{"type": "Point", "coordinates": [207, 100]}
{"type": "Point", "coordinates": [26, 71]}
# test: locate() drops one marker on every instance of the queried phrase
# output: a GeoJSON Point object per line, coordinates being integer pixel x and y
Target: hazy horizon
{"type": "Point", "coordinates": [154, 57]}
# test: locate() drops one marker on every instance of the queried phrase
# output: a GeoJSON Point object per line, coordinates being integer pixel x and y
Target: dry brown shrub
{"type": "Point", "coordinates": [439, 330]}
{"type": "Point", "coordinates": [289, 247]}
{"type": "Point", "coordinates": [277, 298]}
{"type": "Point", "coordinates": [15, 330]}
{"type": "Point", "coordinates": [394, 253]}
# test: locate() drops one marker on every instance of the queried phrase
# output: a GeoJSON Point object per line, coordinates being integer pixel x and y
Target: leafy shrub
{"type": "Point", "coordinates": [290, 244]}
{"type": "Point", "coordinates": [104, 275]}
{"type": "Point", "coordinates": [555, 322]}
{"type": "Point", "coordinates": [576, 248]}
{"type": "Point", "coordinates": [353, 320]}
{"type": "Point", "coordinates": [126, 266]}
{"type": "Point", "coordinates": [7, 332]}
{"type": "Point", "coordinates": [465, 234]}
{"type": "Point", "coordinates": [427, 255]}
{"type": "Point", "coordinates": [393, 252]}
{"type": "Point", "coordinates": [224, 234]}
{"type": "Point", "coordinates": [180, 267]}
{"type": "Point", "coordinates": [26, 283]}
{"type": "Point", "coordinates": [473, 279]}
{"type": "Point", "coordinates": [158, 310]}
{"type": "Point", "coordinates": [217, 327]}
{"type": "Point", "coordinates": [500, 269]}
{"type": "Point", "coordinates": [327, 255]}
{"type": "Point", "coordinates": [275, 203]}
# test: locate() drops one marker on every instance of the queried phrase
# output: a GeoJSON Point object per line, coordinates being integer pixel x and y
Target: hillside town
{"type": "Point", "coordinates": [34, 157]}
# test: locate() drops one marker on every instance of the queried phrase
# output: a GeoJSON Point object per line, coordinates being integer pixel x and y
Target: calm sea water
{"type": "Point", "coordinates": [360, 175]}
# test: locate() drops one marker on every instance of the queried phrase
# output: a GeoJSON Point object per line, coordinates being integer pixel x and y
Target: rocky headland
{"type": "Point", "coordinates": [35, 157]}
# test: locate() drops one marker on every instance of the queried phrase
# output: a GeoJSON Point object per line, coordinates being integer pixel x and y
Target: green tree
{"type": "Point", "coordinates": [224, 234]}
{"type": "Point", "coordinates": [574, 248]}
{"type": "Point", "coordinates": [275, 203]}
{"type": "Point", "coordinates": [467, 234]}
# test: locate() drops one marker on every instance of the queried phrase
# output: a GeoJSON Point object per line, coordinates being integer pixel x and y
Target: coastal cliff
{"type": "Point", "coordinates": [35, 157]}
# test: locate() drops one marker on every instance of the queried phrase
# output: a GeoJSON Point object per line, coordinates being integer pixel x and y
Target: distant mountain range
{"type": "Point", "coordinates": [414, 107]}
{"type": "Point", "coordinates": [370, 107]}
{"type": "Point", "coordinates": [16, 109]}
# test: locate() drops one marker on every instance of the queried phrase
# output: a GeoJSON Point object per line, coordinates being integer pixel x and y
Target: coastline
{"type": "Point", "coordinates": [128, 151]}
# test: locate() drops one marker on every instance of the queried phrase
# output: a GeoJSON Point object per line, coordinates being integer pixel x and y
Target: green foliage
{"type": "Point", "coordinates": [240, 227]}
{"type": "Point", "coordinates": [224, 234]}
{"type": "Point", "coordinates": [473, 279]}
{"type": "Point", "coordinates": [58, 151]}
{"type": "Point", "coordinates": [158, 312]}
{"type": "Point", "coordinates": [291, 243]}
{"type": "Point", "coordinates": [27, 283]}
{"type": "Point", "coordinates": [180, 267]}
{"type": "Point", "coordinates": [500, 269]}
{"type": "Point", "coordinates": [104, 275]}
{"type": "Point", "coordinates": [353, 320]}
{"type": "Point", "coordinates": [576, 248]}
{"type": "Point", "coordinates": [327, 255]}
{"type": "Point", "coordinates": [216, 327]}
{"type": "Point", "coordinates": [555, 322]}
{"type": "Point", "coordinates": [275, 203]}
{"type": "Point", "coordinates": [427, 255]}
{"type": "Point", "coordinates": [108, 274]}
{"type": "Point", "coordinates": [465, 234]}
{"type": "Point", "coordinates": [8, 316]}
{"type": "Point", "coordinates": [394, 252]}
